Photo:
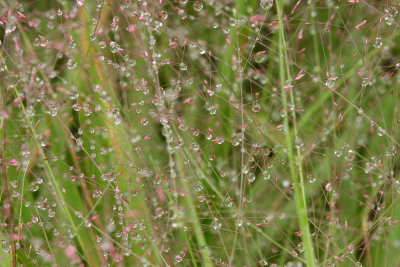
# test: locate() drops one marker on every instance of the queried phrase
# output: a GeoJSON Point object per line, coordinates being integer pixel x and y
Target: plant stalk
{"type": "Point", "coordinates": [295, 160]}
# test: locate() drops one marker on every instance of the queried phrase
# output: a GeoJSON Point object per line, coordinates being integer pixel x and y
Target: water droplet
{"type": "Point", "coordinates": [114, 47]}
{"type": "Point", "coordinates": [260, 57]}
{"type": "Point", "coordinates": [93, 37]}
{"type": "Point", "coordinates": [378, 42]}
{"type": "Point", "coordinates": [245, 169]}
{"type": "Point", "coordinates": [300, 247]}
{"type": "Point", "coordinates": [34, 186]}
{"type": "Point", "coordinates": [338, 153]}
{"type": "Point", "coordinates": [237, 66]}
{"type": "Point", "coordinates": [365, 82]}
{"type": "Point", "coordinates": [266, 175]}
{"type": "Point", "coordinates": [198, 6]}
{"type": "Point", "coordinates": [111, 226]}
{"type": "Point", "coordinates": [239, 222]}
{"type": "Point", "coordinates": [266, 4]}
{"type": "Point", "coordinates": [102, 44]}
{"type": "Point", "coordinates": [216, 225]}
{"type": "Point", "coordinates": [256, 107]}
{"type": "Point", "coordinates": [114, 24]}
{"type": "Point", "coordinates": [87, 111]}
{"type": "Point", "coordinates": [311, 178]}
{"type": "Point", "coordinates": [76, 107]}
{"type": "Point", "coordinates": [330, 83]}
{"type": "Point", "coordinates": [381, 131]}
{"type": "Point", "coordinates": [251, 178]}
{"type": "Point", "coordinates": [195, 146]}
{"type": "Point", "coordinates": [389, 20]}
{"type": "Point", "coordinates": [397, 186]}
{"type": "Point", "coordinates": [391, 11]}
{"type": "Point", "coordinates": [163, 15]}
{"type": "Point", "coordinates": [88, 223]}
{"type": "Point", "coordinates": [350, 155]}
{"type": "Point", "coordinates": [79, 141]}
{"type": "Point", "coordinates": [201, 198]}
{"type": "Point", "coordinates": [97, 193]}
{"type": "Point", "coordinates": [51, 213]}
{"type": "Point", "coordinates": [3, 65]}
{"type": "Point", "coordinates": [43, 41]}
{"type": "Point", "coordinates": [15, 194]}
{"type": "Point", "coordinates": [35, 219]}
{"type": "Point", "coordinates": [14, 184]}
{"type": "Point", "coordinates": [11, 24]}
{"type": "Point", "coordinates": [198, 186]}
{"type": "Point", "coordinates": [144, 121]}
{"type": "Point", "coordinates": [152, 40]}
{"type": "Point", "coordinates": [71, 64]}
{"type": "Point", "coordinates": [263, 262]}
{"type": "Point", "coordinates": [212, 110]}
{"type": "Point", "coordinates": [6, 246]}
{"type": "Point", "coordinates": [298, 143]}
{"type": "Point", "coordinates": [328, 187]}
{"type": "Point", "coordinates": [25, 153]}
{"type": "Point", "coordinates": [228, 202]}
{"type": "Point", "coordinates": [183, 66]}
{"type": "Point", "coordinates": [219, 140]}
{"type": "Point", "coordinates": [178, 258]}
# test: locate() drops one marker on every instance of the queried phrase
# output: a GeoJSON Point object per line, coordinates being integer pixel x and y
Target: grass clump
{"type": "Point", "coordinates": [199, 133]}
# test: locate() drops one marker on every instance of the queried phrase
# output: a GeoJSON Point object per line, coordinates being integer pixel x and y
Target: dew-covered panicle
{"type": "Point", "coordinates": [199, 133]}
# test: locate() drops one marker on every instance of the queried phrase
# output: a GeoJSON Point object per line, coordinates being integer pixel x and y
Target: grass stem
{"type": "Point", "coordinates": [295, 163]}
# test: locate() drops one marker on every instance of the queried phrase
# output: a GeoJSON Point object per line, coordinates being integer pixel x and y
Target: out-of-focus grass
{"type": "Point", "coordinates": [174, 177]}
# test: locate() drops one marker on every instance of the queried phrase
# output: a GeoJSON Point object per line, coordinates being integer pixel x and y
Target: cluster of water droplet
{"type": "Point", "coordinates": [151, 133]}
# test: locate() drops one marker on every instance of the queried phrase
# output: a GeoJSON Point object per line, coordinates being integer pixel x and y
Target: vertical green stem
{"type": "Point", "coordinates": [191, 208]}
{"type": "Point", "coordinates": [295, 171]}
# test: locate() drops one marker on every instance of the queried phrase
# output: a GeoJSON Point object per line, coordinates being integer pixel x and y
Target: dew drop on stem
{"type": "Point", "coordinates": [256, 107]}
{"type": "Point", "coordinates": [216, 224]}
{"type": "Point", "coordinates": [198, 6]}
{"type": "Point", "coordinates": [114, 47]}
{"type": "Point", "coordinates": [251, 177]}
{"type": "Point", "coordinates": [397, 186]}
{"type": "Point", "coordinates": [260, 57]}
{"type": "Point", "coordinates": [183, 66]}
{"type": "Point", "coordinates": [71, 64]}
{"type": "Point", "coordinates": [266, 4]}
{"type": "Point", "coordinates": [34, 186]}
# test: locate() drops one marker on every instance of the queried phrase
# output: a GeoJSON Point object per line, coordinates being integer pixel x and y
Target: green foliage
{"type": "Point", "coordinates": [199, 133]}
